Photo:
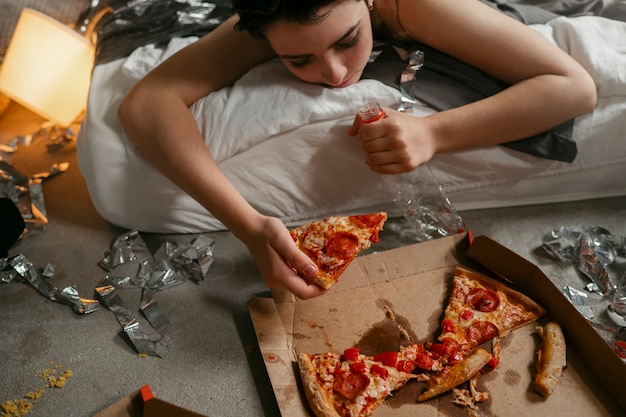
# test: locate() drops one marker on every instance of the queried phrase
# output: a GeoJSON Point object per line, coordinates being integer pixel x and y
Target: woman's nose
{"type": "Point", "coordinates": [333, 71]}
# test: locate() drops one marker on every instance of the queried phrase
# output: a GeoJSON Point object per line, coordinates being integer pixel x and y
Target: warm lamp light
{"type": "Point", "coordinates": [47, 68]}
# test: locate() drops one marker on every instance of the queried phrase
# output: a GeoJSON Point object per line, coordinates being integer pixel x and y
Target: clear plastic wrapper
{"type": "Point", "coordinates": [428, 211]}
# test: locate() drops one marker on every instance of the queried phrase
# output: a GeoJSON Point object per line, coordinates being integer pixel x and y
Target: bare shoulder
{"type": "Point", "coordinates": [483, 37]}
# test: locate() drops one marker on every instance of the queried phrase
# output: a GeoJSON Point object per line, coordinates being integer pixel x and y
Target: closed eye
{"type": "Point", "coordinates": [348, 40]}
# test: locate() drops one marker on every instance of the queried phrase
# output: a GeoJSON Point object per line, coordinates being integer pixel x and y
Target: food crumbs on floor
{"type": "Point", "coordinates": [23, 406]}
{"type": "Point", "coordinates": [142, 355]}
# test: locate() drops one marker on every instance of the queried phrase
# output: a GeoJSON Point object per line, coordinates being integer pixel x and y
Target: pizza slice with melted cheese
{"type": "Point", "coordinates": [480, 309]}
{"type": "Point", "coordinates": [334, 242]}
{"type": "Point", "coordinates": [354, 385]}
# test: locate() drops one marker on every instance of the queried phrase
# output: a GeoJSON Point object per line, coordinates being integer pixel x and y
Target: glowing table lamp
{"type": "Point", "coordinates": [47, 68]}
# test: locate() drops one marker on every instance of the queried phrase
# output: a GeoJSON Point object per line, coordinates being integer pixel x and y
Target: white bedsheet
{"type": "Point", "coordinates": [283, 144]}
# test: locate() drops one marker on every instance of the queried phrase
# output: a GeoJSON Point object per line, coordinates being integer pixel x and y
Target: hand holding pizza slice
{"type": "Point", "coordinates": [334, 242]}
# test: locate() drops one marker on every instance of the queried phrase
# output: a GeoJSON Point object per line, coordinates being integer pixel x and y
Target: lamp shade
{"type": "Point", "coordinates": [47, 68]}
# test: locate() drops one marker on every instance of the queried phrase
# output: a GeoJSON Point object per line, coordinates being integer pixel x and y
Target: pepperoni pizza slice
{"type": "Point", "coordinates": [480, 309]}
{"type": "Point", "coordinates": [334, 242]}
{"type": "Point", "coordinates": [354, 385]}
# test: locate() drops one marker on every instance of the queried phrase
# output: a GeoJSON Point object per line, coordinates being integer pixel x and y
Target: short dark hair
{"type": "Point", "coordinates": [255, 16]}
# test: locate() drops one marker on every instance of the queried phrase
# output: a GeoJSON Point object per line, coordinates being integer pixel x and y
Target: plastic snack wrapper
{"type": "Point", "coordinates": [600, 258]}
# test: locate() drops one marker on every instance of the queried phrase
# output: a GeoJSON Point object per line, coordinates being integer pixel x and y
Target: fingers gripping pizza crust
{"type": "Point", "coordinates": [334, 242]}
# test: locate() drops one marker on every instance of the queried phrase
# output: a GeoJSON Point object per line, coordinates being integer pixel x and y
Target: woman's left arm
{"type": "Point", "coordinates": [548, 87]}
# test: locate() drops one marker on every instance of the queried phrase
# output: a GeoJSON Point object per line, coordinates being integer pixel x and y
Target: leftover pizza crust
{"type": "Point", "coordinates": [551, 358]}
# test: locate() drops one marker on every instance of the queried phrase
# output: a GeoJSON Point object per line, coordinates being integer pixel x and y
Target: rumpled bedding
{"type": "Point", "coordinates": [284, 144]}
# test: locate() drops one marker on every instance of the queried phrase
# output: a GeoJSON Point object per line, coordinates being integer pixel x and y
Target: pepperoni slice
{"type": "Point", "coordinates": [351, 385]}
{"type": "Point", "coordinates": [367, 220]}
{"type": "Point", "coordinates": [448, 326]}
{"type": "Point", "coordinates": [358, 367]}
{"type": "Point", "coordinates": [423, 361]}
{"type": "Point", "coordinates": [484, 300]}
{"type": "Point", "coordinates": [387, 358]}
{"type": "Point", "coordinates": [481, 331]}
{"type": "Point", "coordinates": [342, 245]}
{"type": "Point", "coordinates": [380, 371]}
{"type": "Point", "coordinates": [351, 354]}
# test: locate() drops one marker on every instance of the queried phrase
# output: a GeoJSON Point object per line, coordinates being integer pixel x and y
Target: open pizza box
{"type": "Point", "coordinates": [413, 283]}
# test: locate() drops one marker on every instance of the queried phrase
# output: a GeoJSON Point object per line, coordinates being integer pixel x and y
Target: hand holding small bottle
{"type": "Point", "coordinates": [392, 146]}
{"type": "Point", "coordinates": [393, 142]}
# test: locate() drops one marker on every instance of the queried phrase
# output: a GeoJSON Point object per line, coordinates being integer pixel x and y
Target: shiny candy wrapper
{"type": "Point", "coordinates": [27, 193]}
{"type": "Point", "coordinates": [19, 268]}
{"type": "Point", "coordinates": [171, 265]}
{"type": "Point", "coordinates": [415, 62]}
{"type": "Point", "coordinates": [145, 341]}
{"type": "Point", "coordinates": [580, 300]}
{"type": "Point", "coordinates": [594, 250]}
{"type": "Point", "coordinates": [599, 256]}
{"type": "Point", "coordinates": [124, 249]}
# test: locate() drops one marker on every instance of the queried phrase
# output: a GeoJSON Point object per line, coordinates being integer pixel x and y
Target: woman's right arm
{"type": "Point", "coordinates": [156, 118]}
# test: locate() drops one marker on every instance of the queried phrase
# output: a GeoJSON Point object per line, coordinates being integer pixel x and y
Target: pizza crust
{"type": "Point", "coordinates": [319, 399]}
{"type": "Point", "coordinates": [456, 374]}
{"type": "Point", "coordinates": [551, 358]}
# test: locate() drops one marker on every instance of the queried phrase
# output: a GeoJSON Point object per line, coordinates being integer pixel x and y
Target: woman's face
{"type": "Point", "coordinates": [331, 52]}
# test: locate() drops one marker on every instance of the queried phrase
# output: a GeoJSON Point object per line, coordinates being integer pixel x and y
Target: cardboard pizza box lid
{"type": "Point", "coordinates": [143, 403]}
{"type": "Point", "coordinates": [413, 282]}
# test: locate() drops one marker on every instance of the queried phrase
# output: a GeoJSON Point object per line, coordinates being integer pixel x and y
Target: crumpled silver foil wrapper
{"type": "Point", "coordinates": [580, 300]}
{"type": "Point", "coordinates": [27, 193]}
{"type": "Point", "coordinates": [149, 341]}
{"type": "Point", "coordinates": [123, 26]}
{"type": "Point", "coordinates": [19, 268]}
{"type": "Point", "coordinates": [600, 258]}
{"type": "Point", "coordinates": [415, 62]}
{"type": "Point", "coordinates": [171, 265]}
{"type": "Point", "coordinates": [594, 250]}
